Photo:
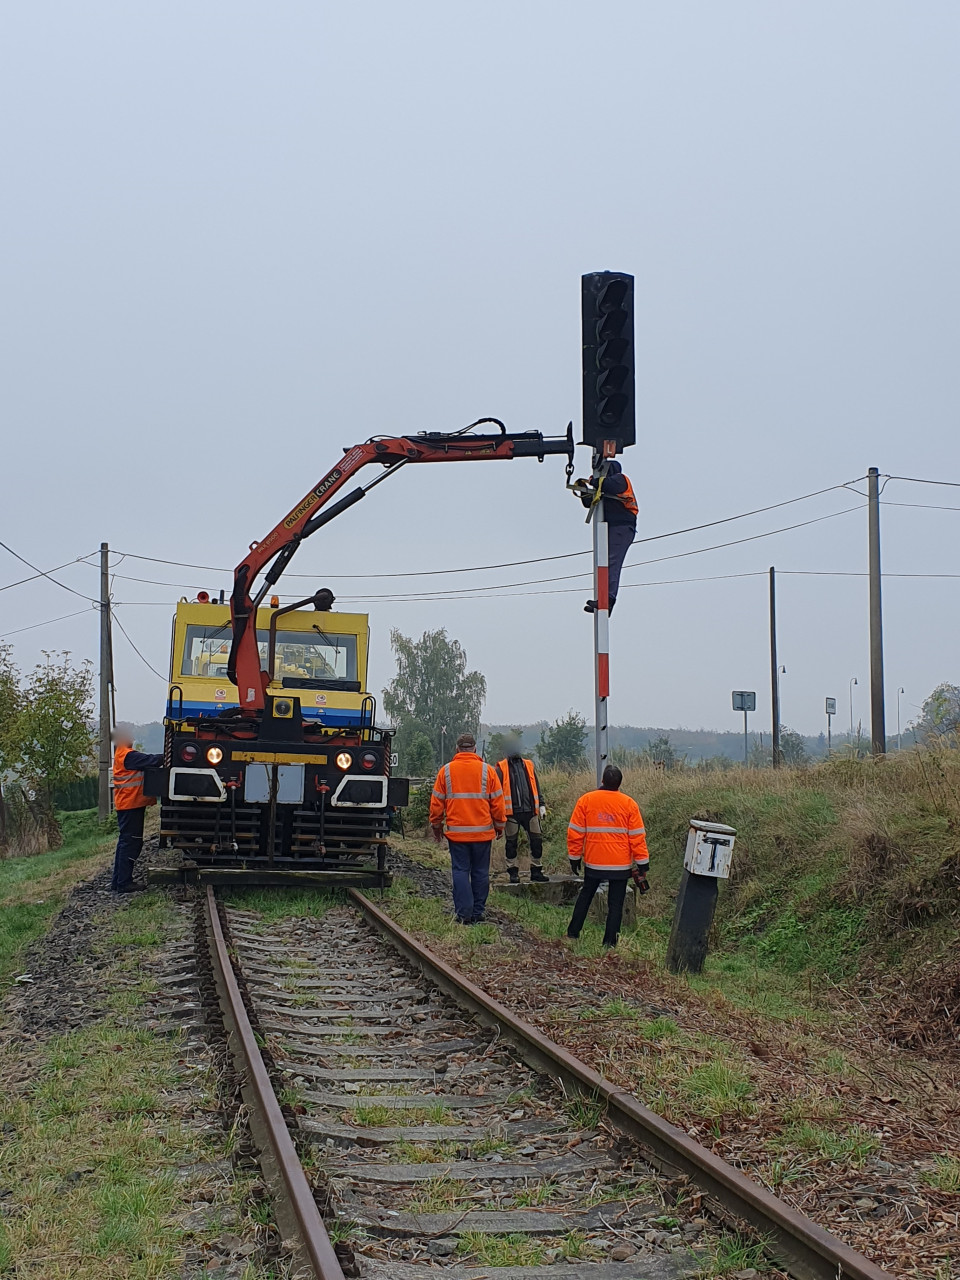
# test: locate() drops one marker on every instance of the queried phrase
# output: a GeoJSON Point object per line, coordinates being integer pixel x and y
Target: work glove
{"type": "Point", "coordinates": [437, 834]}
{"type": "Point", "coordinates": [499, 832]}
{"type": "Point", "coordinates": [584, 491]}
{"type": "Point", "coordinates": [639, 875]}
{"type": "Point", "coordinates": [543, 811]}
{"type": "Point", "coordinates": [575, 866]}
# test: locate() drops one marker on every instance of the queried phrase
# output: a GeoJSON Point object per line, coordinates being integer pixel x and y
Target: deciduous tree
{"type": "Point", "coordinates": [939, 715]}
{"type": "Point", "coordinates": [420, 761]}
{"type": "Point", "coordinates": [56, 731]}
{"type": "Point", "coordinates": [11, 703]}
{"type": "Point", "coordinates": [433, 690]}
{"type": "Point", "coordinates": [563, 744]}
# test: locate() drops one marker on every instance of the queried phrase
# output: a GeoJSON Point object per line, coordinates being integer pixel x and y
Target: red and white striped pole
{"type": "Point", "coordinates": [601, 635]}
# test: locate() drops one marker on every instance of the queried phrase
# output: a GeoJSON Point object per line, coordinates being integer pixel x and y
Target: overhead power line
{"type": "Point", "coordinates": [45, 573]}
{"type": "Point", "coordinates": [41, 573]}
{"type": "Point", "coordinates": [49, 622]}
{"type": "Point", "coordinates": [481, 592]}
{"type": "Point", "coordinates": [922, 506]}
{"type": "Point", "coordinates": [508, 564]}
{"type": "Point", "coordinates": [531, 582]}
{"type": "Point", "coordinates": [136, 650]}
{"type": "Point", "coordinates": [950, 484]}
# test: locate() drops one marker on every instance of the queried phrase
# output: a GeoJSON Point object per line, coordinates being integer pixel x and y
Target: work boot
{"type": "Point", "coordinates": [514, 875]}
{"type": "Point", "coordinates": [537, 876]}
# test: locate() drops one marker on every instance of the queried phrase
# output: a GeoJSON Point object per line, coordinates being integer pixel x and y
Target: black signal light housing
{"type": "Point", "coordinates": [608, 360]}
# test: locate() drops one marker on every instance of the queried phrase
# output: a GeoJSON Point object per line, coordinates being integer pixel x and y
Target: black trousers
{"type": "Point", "coordinates": [530, 823]}
{"type": "Point", "coordinates": [130, 826]}
{"type": "Point", "coordinates": [619, 540]}
{"type": "Point", "coordinates": [592, 880]}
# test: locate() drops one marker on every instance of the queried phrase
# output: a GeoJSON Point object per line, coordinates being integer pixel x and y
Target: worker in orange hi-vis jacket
{"type": "Point", "coordinates": [606, 833]}
{"type": "Point", "coordinates": [131, 805]}
{"type": "Point", "coordinates": [467, 806]}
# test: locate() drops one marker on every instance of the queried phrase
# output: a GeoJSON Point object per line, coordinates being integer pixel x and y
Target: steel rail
{"type": "Point", "coordinates": [810, 1252]}
{"type": "Point", "coordinates": [283, 1167]}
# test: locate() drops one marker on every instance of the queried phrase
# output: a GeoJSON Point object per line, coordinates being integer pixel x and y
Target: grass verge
{"type": "Point", "coordinates": [33, 889]}
{"type": "Point", "coordinates": [113, 1165]}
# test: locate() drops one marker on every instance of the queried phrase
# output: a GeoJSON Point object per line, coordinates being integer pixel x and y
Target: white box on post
{"type": "Point", "coordinates": [709, 849]}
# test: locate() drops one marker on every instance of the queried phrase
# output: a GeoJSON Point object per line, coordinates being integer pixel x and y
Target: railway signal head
{"type": "Point", "coordinates": [608, 359]}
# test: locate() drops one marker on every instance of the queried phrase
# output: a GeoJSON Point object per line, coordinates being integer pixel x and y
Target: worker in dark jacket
{"type": "Point", "coordinates": [620, 511]}
{"type": "Point", "coordinates": [524, 807]}
{"type": "Point", "coordinates": [131, 805]}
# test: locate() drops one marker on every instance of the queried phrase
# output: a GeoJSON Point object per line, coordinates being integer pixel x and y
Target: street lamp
{"type": "Point", "coordinates": [899, 691]}
{"type": "Point", "coordinates": [853, 681]}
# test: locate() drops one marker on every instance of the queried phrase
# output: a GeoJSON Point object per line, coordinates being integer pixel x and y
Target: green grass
{"type": "Point", "coordinates": [280, 904]}
{"type": "Point", "coordinates": [850, 1145]}
{"type": "Point", "coordinates": [33, 889]}
{"type": "Point", "coordinates": [94, 1156]}
{"type": "Point", "coordinates": [426, 1152]}
{"type": "Point", "coordinates": [540, 1193]}
{"type": "Point", "coordinates": [659, 1029]}
{"type": "Point", "coordinates": [583, 1112]}
{"type": "Point", "coordinates": [576, 1245]}
{"type": "Point", "coordinates": [501, 1250]}
{"type": "Point", "coordinates": [717, 1088]}
{"type": "Point", "coordinates": [370, 1117]}
{"type": "Point", "coordinates": [733, 1252]}
{"type": "Point", "coordinates": [945, 1175]}
{"type": "Point", "coordinates": [439, 1195]}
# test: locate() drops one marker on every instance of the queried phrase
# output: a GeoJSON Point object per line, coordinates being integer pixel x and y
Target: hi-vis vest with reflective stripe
{"type": "Point", "coordinates": [503, 768]}
{"type": "Point", "coordinates": [606, 830]}
{"type": "Point", "coordinates": [467, 799]}
{"type": "Point", "coordinates": [128, 784]}
{"type": "Point", "coordinates": [628, 498]}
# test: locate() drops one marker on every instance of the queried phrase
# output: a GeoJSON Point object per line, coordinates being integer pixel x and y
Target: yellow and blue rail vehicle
{"type": "Point", "coordinates": [304, 788]}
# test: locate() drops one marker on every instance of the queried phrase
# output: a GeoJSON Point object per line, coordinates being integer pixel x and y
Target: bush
{"type": "Point", "coordinates": [79, 793]}
{"type": "Point", "coordinates": [417, 813]}
{"type": "Point", "coordinates": [836, 864]}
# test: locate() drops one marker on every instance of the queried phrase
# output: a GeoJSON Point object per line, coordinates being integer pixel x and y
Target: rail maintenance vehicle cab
{"type": "Point", "coordinates": [306, 786]}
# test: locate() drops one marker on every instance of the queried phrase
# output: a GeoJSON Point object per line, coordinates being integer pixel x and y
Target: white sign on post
{"type": "Point", "coordinates": [709, 849]}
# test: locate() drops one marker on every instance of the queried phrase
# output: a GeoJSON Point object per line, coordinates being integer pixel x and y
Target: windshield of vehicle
{"type": "Point", "coordinates": [312, 655]}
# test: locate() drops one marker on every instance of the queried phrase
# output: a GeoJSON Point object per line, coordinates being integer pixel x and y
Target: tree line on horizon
{"type": "Point", "coordinates": [434, 697]}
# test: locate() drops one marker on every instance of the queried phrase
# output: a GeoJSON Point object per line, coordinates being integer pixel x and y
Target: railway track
{"type": "Point", "coordinates": [445, 1138]}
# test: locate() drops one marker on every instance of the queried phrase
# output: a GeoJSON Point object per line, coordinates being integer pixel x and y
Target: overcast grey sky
{"type": "Point", "coordinates": [236, 238]}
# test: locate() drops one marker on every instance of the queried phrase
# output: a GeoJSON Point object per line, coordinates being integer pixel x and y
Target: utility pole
{"type": "Point", "coordinates": [878, 727]}
{"type": "Point", "coordinates": [106, 680]}
{"type": "Point", "coordinates": [774, 672]}
{"type": "Point", "coordinates": [601, 637]}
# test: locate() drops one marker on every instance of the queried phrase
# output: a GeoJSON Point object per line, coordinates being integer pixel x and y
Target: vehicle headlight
{"type": "Point", "coordinates": [344, 760]}
{"type": "Point", "coordinates": [189, 753]}
{"type": "Point", "coordinates": [214, 755]}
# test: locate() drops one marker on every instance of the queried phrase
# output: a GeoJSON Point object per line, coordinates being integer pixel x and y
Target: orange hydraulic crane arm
{"type": "Point", "coordinates": [317, 508]}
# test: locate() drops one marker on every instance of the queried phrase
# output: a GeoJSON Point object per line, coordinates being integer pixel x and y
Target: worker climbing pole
{"type": "Point", "coordinates": [609, 425]}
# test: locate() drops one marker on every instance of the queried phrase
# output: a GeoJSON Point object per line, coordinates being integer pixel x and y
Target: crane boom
{"type": "Point", "coordinates": [317, 508]}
